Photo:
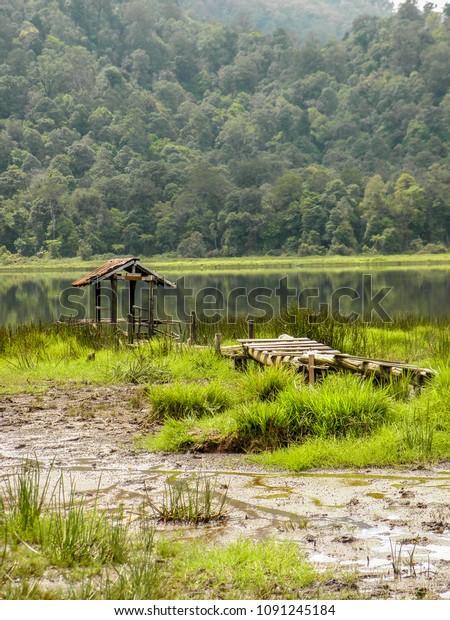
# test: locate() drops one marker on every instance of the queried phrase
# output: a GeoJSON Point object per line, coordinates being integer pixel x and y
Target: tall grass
{"type": "Point", "coordinates": [59, 522]}
{"type": "Point", "coordinates": [33, 338]}
{"type": "Point", "coordinates": [182, 400]}
{"type": "Point", "coordinates": [419, 432]}
{"type": "Point", "coordinates": [341, 405]}
{"type": "Point", "coordinates": [25, 498]}
{"type": "Point", "coordinates": [263, 425]}
{"type": "Point", "coordinates": [265, 383]}
{"type": "Point", "coordinates": [75, 535]}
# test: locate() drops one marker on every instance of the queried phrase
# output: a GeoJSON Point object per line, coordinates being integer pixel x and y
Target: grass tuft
{"type": "Point", "coordinates": [265, 383]}
{"type": "Point", "coordinates": [182, 400]}
{"type": "Point", "coordinates": [264, 425]}
{"type": "Point", "coordinates": [341, 405]}
{"type": "Point", "coordinates": [187, 502]}
{"type": "Point", "coordinates": [138, 369]}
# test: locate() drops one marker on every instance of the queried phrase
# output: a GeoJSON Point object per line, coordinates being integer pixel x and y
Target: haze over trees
{"type": "Point", "coordinates": [324, 18]}
{"type": "Point", "coordinates": [131, 127]}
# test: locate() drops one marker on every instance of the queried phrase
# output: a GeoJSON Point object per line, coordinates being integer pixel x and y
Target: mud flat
{"type": "Point", "coordinates": [389, 528]}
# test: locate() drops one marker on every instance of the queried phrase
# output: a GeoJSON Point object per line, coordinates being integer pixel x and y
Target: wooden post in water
{"type": "Point", "coordinates": [311, 370]}
{"type": "Point", "coordinates": [193, 327]}
{"type": "Point", "coordinates": [251, 329]}
{"type": "Point", "coordinates": [98, 310]}
{"type": "Point", "coordinates": [217, 343]}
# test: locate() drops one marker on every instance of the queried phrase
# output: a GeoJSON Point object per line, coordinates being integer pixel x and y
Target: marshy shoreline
{"type": "Point", "coordinates": [346, 480]}
{"type": "Point", "coordinates": [361, 523]}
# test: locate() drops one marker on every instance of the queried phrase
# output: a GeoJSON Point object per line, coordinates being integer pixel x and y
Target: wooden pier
{"type": "Point", "coordinates": [315, 359]}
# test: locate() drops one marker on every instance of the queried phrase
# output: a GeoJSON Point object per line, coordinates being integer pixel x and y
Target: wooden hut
{"type": "Point", "coordinates": [131, 271]}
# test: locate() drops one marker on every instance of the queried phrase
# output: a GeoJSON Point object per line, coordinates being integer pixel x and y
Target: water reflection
{"type": "Point", "coordinates": [423, 291]}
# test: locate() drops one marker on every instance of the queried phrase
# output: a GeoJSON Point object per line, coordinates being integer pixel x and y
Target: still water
{"type": "Point", "coordinates": [420, 291]}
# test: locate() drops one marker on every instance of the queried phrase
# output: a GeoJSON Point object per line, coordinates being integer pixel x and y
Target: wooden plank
{"type": "Point", "coordinates": [304, 346]}
{"type": "Point", "coordinates": [276, 340]}
{"type": "Point", "coordinates": [130, 330]}
{"type": "Point", "coordinates": [383, 362]}
{"type": "Point", "coordinates": [299, 345]}
{"type": "Point", "coordinates": [133, 278]}
{"type": "Point", "coordinates": [293, 350]}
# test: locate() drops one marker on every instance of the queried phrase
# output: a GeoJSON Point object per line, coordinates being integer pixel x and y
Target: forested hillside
{"type": "Point", "coordinates": [324, 18]}
{"type": "Point", "coordinates": [129, 127]}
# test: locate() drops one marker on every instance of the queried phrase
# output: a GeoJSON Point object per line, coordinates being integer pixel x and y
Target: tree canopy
{"type": "Point", "coordinates": [129, 126]}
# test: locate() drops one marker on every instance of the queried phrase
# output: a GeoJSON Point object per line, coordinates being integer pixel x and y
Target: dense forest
{"type": "Point", "coordinates": [130, 127]}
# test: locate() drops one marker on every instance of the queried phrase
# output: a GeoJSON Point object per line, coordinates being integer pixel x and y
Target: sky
{"type": "Point", "coordinates": [439, 3]}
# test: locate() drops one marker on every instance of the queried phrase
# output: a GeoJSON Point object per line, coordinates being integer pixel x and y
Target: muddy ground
{"type": "Point", "coordinates": [354, 521]}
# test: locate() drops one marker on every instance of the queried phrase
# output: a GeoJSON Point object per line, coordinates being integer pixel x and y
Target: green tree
{"type": "Point", "coordinates": [408, 209]}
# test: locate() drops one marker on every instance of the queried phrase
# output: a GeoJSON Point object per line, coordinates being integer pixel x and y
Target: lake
{"type": "Point", "coordinates": [385, 292]}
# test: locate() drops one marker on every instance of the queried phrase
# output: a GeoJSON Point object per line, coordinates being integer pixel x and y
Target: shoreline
{"type": "Point", "coordinates": [238, 264]}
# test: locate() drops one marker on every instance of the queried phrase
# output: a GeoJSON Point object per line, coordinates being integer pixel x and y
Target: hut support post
{"type": "Point", "coordinates": [114, 301]}
{"type": "Point", "coordinates": [151, 308]}
{"type": "Point", "coordinates": [131, 316]}
{"type": "Point", "coordinates": [98, 310]}
{"type": "Point", "coordinates": [130, 328]}
{"type": "Point", "coordinates": [132, 285]}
